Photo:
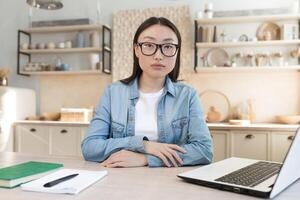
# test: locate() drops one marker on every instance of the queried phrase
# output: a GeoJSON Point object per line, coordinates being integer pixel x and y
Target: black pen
{"type": "Point", "coordinates": [57, 181]}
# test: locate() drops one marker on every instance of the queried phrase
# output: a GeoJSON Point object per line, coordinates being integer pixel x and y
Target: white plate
{"type": "Point", "coordinates": [217, 57]}
{"type": "Point", "coordinates": [241, 122]}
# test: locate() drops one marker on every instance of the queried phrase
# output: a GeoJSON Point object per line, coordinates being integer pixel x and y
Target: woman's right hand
{"type": "Point", "coordinates": [165, 152]}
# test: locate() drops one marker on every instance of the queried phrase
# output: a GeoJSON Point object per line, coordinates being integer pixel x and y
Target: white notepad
{"type": "Point", "coordinates": [72, 186]}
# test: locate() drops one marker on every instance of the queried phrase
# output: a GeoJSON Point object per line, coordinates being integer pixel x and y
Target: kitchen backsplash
{"type": "Point", "coordinates": [272, 93]}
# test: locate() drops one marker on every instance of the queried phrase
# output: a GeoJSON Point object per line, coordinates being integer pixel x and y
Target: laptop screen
{"type": "Point", "coordinates": [289, 171]}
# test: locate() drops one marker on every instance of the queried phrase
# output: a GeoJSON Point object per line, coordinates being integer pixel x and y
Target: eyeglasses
{"type": "Point", "coordinates": [167, 49]}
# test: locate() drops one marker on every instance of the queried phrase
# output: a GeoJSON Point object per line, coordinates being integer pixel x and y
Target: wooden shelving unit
{"type": "Point", "coordinates": [247, 69]}
{"type": "Point", "coordinates": [58, 51]}
{"type": "Point", "coordinates": [41, 73]}
{"type": "Point", "coordinates": [104, 51]}
{"type": "Point", "coordinates": [246, 44]}
{"type": "Point", "coordinates": [247, 19]}
{"type": "Point", "coordinates": [55, 29]}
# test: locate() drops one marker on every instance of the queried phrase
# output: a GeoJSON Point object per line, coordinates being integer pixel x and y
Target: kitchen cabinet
{"type": "Point", "coordinates": [32, 139]}
{"type": "Point", "coordinates": [65, 141]}
{"type": "Point", "coordinates": [266, 142]}
{"type": "Point", "coordinates": [262, 142]}
{"type": "Point", "coordinates": [220, 144]}
{"type": "Point", "coordinates": [62, 140]}
{"type": "Point", "coordinates": [96, 46]}
{"type": "Point", "coordinates": [250, 144]}
{"type": "Point", "coordinates": [280, 144]}
{"type": "Point", "coordinates": [238, 40]}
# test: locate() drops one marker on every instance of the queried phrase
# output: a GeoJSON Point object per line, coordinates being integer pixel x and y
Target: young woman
{"type": "Point", "coordinates": [150, 119]}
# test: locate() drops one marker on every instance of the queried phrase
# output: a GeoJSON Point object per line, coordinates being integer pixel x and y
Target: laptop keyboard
{"type": "Point", "coordinates": [252, 175]}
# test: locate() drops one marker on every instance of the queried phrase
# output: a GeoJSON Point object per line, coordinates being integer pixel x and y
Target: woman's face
{"type": "Point", "coordinates": [162, 62]}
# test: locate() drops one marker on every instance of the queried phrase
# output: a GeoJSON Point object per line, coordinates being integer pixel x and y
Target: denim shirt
{"type": "Point", "coordinates": [179, 121]}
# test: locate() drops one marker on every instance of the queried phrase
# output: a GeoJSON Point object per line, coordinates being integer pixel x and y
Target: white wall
{"type": "Point", "coordinates": [14, 15]}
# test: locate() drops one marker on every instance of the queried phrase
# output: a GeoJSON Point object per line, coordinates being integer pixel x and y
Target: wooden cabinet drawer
{"type": "Point", "coordinates": [65, 141]}
{"type": "Point", "coordinates": [220, 144]}
{"type": "Point", "coordinates": [248, 144]}
{"type": "Point", "coordinates": [32, 139]}
{"type": "Point", "coordinates": [280, 144]}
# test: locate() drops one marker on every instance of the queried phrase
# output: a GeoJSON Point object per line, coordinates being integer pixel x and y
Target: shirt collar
{"type": "Point", "coordinates": [134, 89]}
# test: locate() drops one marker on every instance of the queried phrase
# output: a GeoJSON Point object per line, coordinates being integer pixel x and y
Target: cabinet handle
{"type": "Point", "coordinates": [290, 137]}
{"type": "Point", "coordinates": [211, 136]}
{"type": "Point", "coordinates": [249, 136]}
{"type": "Point", "coordinates": [32, 130]}
{"type": "Point", "coordinates": [63, 131]}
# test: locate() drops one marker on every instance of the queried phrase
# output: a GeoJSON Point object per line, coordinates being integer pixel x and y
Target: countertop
{"type": "Point", "coordinates": [256, 126]}
{"type": "Point", "coordinates": [52, 123]}
{"type": "Point", "coordinates": [214, 126]}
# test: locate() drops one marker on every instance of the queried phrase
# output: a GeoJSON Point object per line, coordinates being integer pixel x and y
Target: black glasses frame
{"type": "Point", "coordinates": [140, 44]}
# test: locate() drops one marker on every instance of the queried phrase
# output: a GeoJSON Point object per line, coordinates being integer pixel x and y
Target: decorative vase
{"type": "Point", "coordinates": [213, 115]}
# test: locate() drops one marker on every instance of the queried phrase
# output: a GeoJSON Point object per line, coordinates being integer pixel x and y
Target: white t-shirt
{"type": "Point", "coordinates": [146, 115]}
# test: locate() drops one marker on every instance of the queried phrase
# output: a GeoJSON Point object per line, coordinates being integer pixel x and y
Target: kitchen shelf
{"type": "Point", "coordinates": [247, 44]}
{"type": "Point", "coordinates": [104, 50]}
{"type": "Point", "coordinates": [247, 19]}
{"type": "Point", "coordinates": [247, 69]}
{"type": "Point", "coordinates": [79, 72]}
{"type": "Point", "coordinates": [54, 29]}
{"type": "Point", "coordinates": [56, 51]}
{"type": "Point", "coordinates": [242, 44]}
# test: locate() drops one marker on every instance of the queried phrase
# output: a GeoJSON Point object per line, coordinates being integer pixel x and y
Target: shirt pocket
{"type": "Point", "coordinates": [117, 130]}
{"type": "Point", "coordinates": [180, 129]}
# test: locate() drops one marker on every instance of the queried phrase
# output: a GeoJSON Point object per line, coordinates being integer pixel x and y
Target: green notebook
{"type": "Point", "coordinates": [17, 174]}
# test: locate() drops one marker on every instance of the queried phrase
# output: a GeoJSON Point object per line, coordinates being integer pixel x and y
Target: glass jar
{"type": "Point", "coordinates": [3, 81]}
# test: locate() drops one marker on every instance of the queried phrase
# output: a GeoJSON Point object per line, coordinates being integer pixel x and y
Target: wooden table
{"type": "Point", "coordinates": [129, 183]}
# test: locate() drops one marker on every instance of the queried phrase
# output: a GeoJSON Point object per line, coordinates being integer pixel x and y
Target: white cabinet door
{"type": "Point", "coordinates": [220, 143]}
{"type": "Point", "coordinates": [280, 143]}
{"type": "Point", "coordinates": [32, 139]}
{"type": "Point", "coordinates": [83, 133]}
{"type": "Point", "coordinates": [250, 144]}
{"type": "Point", "coordinates": [65, 141]}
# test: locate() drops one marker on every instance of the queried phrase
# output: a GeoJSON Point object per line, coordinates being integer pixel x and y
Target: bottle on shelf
{"type": "Point", "coordinates": [208, 10]}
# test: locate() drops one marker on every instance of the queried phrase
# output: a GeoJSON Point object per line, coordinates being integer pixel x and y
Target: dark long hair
{"type": "Point", "coordinates": [137, 71]}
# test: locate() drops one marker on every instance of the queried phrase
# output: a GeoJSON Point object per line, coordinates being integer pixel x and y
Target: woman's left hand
{"type": "Point", "coordinates": [125, 158]}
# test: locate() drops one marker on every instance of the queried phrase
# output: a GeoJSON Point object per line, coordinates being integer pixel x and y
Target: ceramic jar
{"type": "Point", "coordinates": [213, 115]}
{"type": "Point", "coordinates": [50, 45]}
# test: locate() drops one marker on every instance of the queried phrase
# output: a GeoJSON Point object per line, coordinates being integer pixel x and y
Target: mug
{"type": "Point", "coordinates": [40, 45]}
{"type": "Point", "coordinates": [32, 46]}
{"type": "Point", "coordinates": [51, 45]}
{"type": "Point", "coordinates": [68, 44]}
{"type": "Point", "coordinates": [65, 67]}
{"type": "Point", "coordinates": [61, 45]}
{"type": "Point", "coordinates": [24, 46]}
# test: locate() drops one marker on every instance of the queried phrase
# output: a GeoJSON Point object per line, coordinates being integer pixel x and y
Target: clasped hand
{"type": "Point", "coordinates": [166, 152]}
{"type": "Point", "coordinates": [125, 158]}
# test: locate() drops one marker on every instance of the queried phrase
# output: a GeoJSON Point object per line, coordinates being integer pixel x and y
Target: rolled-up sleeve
{"type": "Point", "coordinates": [98, 144]}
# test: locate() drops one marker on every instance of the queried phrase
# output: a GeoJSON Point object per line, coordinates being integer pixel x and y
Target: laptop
{"type": "Point", "coordinates": [247, 176]}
